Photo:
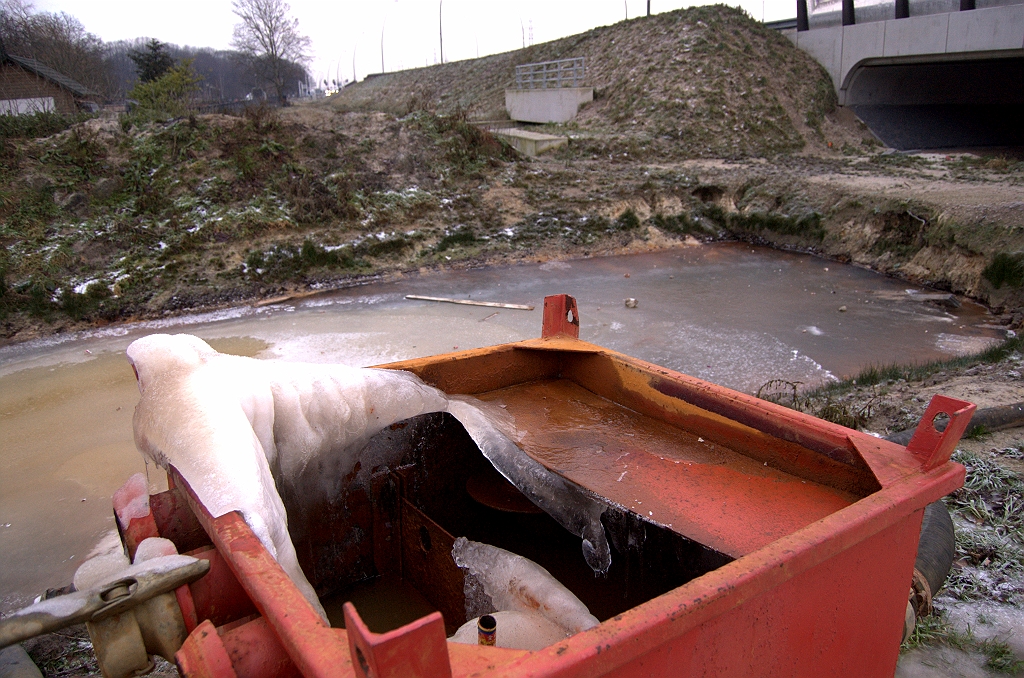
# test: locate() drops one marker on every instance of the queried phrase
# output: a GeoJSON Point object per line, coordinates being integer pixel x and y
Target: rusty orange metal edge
{"type": "Point", "coordinates": [667, 617]}
{"type": "Point", "coordinates": [315, 648]}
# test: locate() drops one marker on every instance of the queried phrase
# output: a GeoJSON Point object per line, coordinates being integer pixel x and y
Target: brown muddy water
{"type": "Point", "coordinates": [728, 313]}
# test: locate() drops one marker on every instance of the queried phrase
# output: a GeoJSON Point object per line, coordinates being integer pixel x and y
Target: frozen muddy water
{"type": "Point", "coordinates": [728, 313]}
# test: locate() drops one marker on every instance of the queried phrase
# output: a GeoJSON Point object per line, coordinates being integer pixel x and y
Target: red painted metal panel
{"type": "Point", "coordinates": [256, 653]}
{"type": "Point", "coordinates": [316, 649]}
{"type": "Point", "coordinates": [218, 596]}
{"type": "Point", "coordinates": [416, 650]}
{"type": "Point", "coordinates": [670, 617]}
{"type": "Point", "coordinates": [931, 446]}
{"type": "Point", "coordinates": [203, 654]}
{"type": "Point", "coordinates": [824, 600]}
{"type": "Point", "coordinates": [561, 318]}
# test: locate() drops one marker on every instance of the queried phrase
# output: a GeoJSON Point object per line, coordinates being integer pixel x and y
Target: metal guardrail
{"type": "Point", "coordinates": [551, 74]}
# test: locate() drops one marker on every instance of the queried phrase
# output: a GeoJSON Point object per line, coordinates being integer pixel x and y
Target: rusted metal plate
{"type": "Point", "coordinates": [417, 650]}
{"type": "Point", "coordinates": [175, 521]}
{"type": "Point", "coordinates": [561, 317]}
{"type": "Point", "coordinates": [699, 488]}
{"type": "Point", "coordinates": [387, 527]}
{"type": "Point", "coordinates": [218, 596]}
{"type": "Point", "coordinates": [428, 565]}
{"type": "Point", "coordinates": [256, 653]}
{"type": "Point", "coordinates": [825, 601]}
{"type": "Point", "coordinates": [315, 648]}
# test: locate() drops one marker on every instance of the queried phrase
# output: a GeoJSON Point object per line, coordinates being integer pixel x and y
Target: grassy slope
{"type": "Point", "coordinates": [699, 82]}
{"type": "Point", "coordinates": [214, 209]}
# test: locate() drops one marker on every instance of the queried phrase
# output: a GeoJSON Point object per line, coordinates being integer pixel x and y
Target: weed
{"type": "Point", "coordinates": [828, 407]}
{"type": "Point", "coordinates": [628, 221]}
{"type": "Point", "coordinates": [999, 657]}
{"type": "Point", "coordinates": [284, 262]}
{"type": "Point", "coordinates": [877, 374]}
{"type": "Point", "coordinates": [681, 224]}
{"type": "Point", "coordinates": [38, 125]}
{"type": "Point", "coordinates": [1005, 269]}
{"type": "Point", "coordinates": [902, 233]}
{"type": "Point", "coordinates": [977, 433]}
{"type": "Point", "coordinates": [936, 629]}
{"type": "Point", "coordinates": [822, 101]}
{"type": "Point", "coordinates": [805, 226]}
{"type": "Point", "coordinates": [458, 237]}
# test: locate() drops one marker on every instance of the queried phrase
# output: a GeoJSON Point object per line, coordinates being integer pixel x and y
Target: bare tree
{"type": "Point", "coordinates": [270, 40]}
{"type": "Point", "coordinates": [58, 40]}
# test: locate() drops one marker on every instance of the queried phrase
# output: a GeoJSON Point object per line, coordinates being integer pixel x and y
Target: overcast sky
{"type": "Point", "coordinates": [347, 33]}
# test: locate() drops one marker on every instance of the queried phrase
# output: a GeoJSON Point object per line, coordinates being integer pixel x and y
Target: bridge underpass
{"type": "Point", "coordinates": [946, 80]}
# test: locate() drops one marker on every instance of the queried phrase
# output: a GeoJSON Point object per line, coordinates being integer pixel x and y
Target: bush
{"type": "Point", "coordinates": [172, 95]}
{"type": "Point", "coordinates": [38, 124]}
{"type": "Point", "coordinates": [1005, 269]}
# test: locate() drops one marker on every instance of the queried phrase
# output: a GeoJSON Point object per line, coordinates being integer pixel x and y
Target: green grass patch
{"type": "Point", "coordinates": [1005, 269]}
{"type": "Point", "coordinates": [878, 374]}
{"type": "Point", "coordinates": [936, 629]}
{"type": "Point", "coordinates": [38, 124]}
{"type": "Point", "coordinates": [805, 226]}
{"type": "Point", "coordinates": [461, 237]}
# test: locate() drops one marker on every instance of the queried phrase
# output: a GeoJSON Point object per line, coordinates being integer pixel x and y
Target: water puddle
{"type": "Point", "coordinates": [728, 313]}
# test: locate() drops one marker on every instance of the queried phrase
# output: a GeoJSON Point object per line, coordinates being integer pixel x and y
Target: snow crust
{"type": "Point", "coordinates": [244, 431]}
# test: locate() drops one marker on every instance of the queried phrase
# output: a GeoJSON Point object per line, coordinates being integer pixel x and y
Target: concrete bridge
{"type": "Point", "coordinates": [926, 74]}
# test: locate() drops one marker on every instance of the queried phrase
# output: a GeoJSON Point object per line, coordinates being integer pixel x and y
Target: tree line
{"type": "Point", "coordinates": [265, 60]}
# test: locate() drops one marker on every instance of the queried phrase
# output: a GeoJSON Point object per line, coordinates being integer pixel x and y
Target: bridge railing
{"type": "Point", "coordinates": [551, 74]}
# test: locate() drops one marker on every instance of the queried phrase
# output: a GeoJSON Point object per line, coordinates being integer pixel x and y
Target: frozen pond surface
{"type": "Point", "coordinates": [727, 313]}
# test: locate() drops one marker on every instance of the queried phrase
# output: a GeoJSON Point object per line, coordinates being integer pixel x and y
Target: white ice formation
{"type": "Point", "coordinates": [518, 585]}
{"type": "Point", "coordinates": [232, 426]}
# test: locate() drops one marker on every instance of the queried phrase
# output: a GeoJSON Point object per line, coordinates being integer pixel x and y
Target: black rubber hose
{"type": "Point", "coordinates": [937, 546]}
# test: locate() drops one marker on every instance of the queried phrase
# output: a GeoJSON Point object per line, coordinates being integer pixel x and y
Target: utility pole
{"type": "Point", "coordinates": [648, 7]}
{"type": "Point", "coordinates": [440, 27]}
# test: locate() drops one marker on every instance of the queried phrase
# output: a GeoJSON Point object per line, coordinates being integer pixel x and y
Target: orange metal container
{"type": "Point", "coordinates": [753, 539]}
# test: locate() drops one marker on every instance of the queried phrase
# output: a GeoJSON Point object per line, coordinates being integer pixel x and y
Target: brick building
{"type": "Point", "coordinates": [27, 86]}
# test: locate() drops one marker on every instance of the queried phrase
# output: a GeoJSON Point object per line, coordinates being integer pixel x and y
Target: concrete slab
{"type": "Point", "coordinates": [546, 105]}
{"type": "Point", "coordinates": [530, 143]}
{"type": "Point", "coordinates": [985, 30]}
{"type": "Point", "coordinates": [861, 41]}
{"type": "Point", "coordinates": [916, 35]}
{"type": "Point", "coordinates": [826, 46]}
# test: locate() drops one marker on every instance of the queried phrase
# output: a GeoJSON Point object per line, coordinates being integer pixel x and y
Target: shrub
{"type": "Point", "coordinates": [1005, 269]}
{"type": "Point", "coordinates": [172, 95]}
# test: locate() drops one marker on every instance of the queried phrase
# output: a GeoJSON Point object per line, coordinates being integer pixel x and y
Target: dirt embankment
{"type": "Point", "coordinates": [700, 82]}
{"type": "Point", "coordinates": [707, 126]}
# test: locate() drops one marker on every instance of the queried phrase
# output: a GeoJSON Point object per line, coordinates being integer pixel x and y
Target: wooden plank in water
{"type": "Point", "coordinates": [470, 302]}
